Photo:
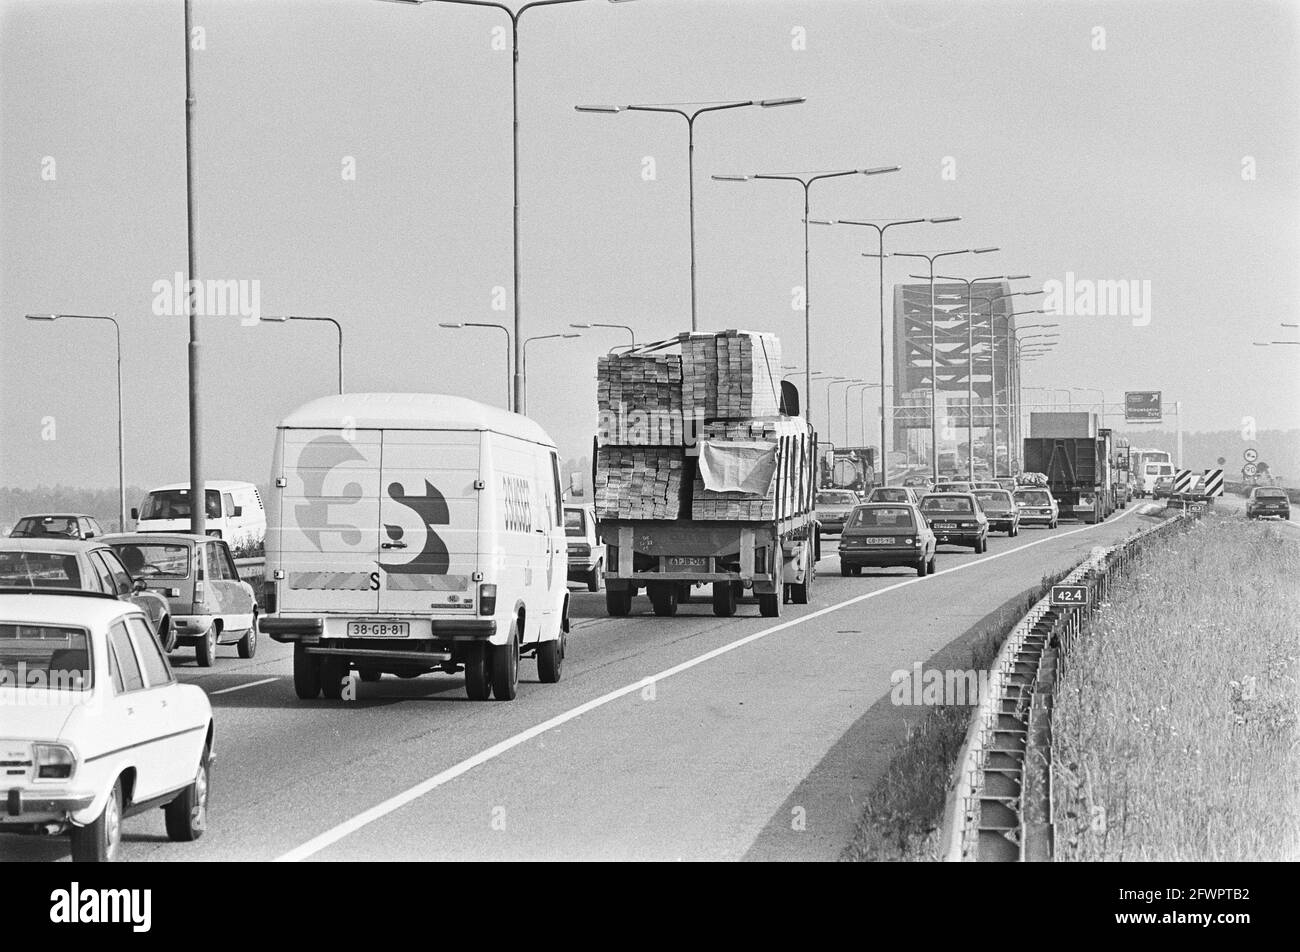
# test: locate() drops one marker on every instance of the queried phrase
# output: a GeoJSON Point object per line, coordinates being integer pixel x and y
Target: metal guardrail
{"type": "Point", "coordinates": [1000, 807]}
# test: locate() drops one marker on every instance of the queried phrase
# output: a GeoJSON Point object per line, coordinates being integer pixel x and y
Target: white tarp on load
{"type": "Point", "coordinates": [736, 467]}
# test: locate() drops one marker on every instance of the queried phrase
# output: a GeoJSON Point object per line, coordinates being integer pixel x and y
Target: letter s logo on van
{"type": "Point", "coordinates": [433, 558]}
{"type": "Point", "coordinates": [318, 459]}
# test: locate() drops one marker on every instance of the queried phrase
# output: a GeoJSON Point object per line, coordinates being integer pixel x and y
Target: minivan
{"type": "Point", "coordinates": [234, 511]}
{"type": "Point", "coordinates": [410, 533]}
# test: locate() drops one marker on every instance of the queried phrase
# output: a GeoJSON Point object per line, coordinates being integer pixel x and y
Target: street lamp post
{"type": "Point", "coordinates": [690, 115]}
{"type": "Point", "coordinates": [505, 330]}
{"type": "Point", "coordinates": [529, 340]}
{"type": "Point", "coordinates": [337, 327]}
{"type": "Point", "coordinates": [631, 333]}
{"type": "Point", "coordinates": [863, 386]}
{"type": "Point", "coordinates": [881, 227]}
{"type": "Point", "coordinates": [934, 387]}
{"type": "Point", "coordinates": [993, 371]}
{"type": "Point", "coordinates": [806, 180]}
{"type": "Point", "coordinates": [198, 507]}
{"type": "Point", "coordinates": [121, 442]}
{"type": "Point", "coordinates": [831, 383]}
{"type": "Point", "coordinates": [515, 16]}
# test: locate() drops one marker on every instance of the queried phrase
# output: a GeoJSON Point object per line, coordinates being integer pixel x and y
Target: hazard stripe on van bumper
{"type": "Point", "coordinates": [335, 581]}
{"type": "Point", "coordinates": [427, 583]}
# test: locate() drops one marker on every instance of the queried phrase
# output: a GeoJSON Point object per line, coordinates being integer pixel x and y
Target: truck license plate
{"type": "Point", "coordinates": [687, 563]}
{"type": "Point", "coordinates": [379, 629]}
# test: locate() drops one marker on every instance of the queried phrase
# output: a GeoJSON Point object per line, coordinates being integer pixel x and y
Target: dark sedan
{"type": "Point", "coordinates": [956, 519]}
{"type": "Point", "coordinates": [1268, 502]}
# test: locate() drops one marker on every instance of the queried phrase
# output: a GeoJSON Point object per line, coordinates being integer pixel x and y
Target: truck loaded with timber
{"type": "Point", "coordinates": [704, 474]}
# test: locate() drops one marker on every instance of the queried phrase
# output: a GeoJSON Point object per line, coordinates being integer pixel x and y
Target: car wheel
{"type": "Point", "coordinates": [931, 567]}
{"type": "Point", "coordinates": [505, 667]}
{"type": "Point", "coordinates": [663, 597]}
{"type": "Point", "coordinates": [618, 603]}
{"type": "Point", "coordinates": [478, 672]}
{"type": "Point", "coordinates": [369, 675]}
{"type": "Point", "coordinates": [248, 643]}
{"type": "Point", "coordinates": [769, 606]}
{"type": "Point", "coordinates": [306, 673]}
{"type": "Point", "coordinates": [333, 672]}
{"type": "Point", "coordinates": [167, 634]}
{"type": "Point", "coordinates": [921, 568]}
{"type": "Point", "coordinates": [593, 579]}
{"type": "Point", "coordinates": [724, 599]}
{"type": "Point", "coordinates": [550, 658]}
{"type": "Point", "coordinates": [187, 815]}
{"type": "Point", "coordinates": [99, 840]}
{"type": "Point", "coordinates": [206, 649]}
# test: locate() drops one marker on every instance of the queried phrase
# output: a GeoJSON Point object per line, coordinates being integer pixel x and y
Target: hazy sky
{"type": "Point", "coordinates": [1170, 156]}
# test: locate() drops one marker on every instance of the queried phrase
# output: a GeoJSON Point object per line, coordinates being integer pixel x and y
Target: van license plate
{"type": "Point", "coordinates": [379, 629]}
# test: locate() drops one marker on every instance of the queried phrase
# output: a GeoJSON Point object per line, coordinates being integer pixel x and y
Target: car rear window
{"type": "Point", "coordinates": [1034, 499]}
{"type": "Point", "coordinates": [945, 504]}
{"type": "Point", "coordinates": [889, 495]}
{"type": "Point", "coordinates": [575, 522]}
{"type": "Point", "coordinates": [148, 560]}
{"type": "Point", "coordinates": [39, 570]}
{"type": "Point", "coordinates": [993, 499]}
{"type": "Point", "coordinates": [1270, 494]}
{"type": "Point", "coordinates": [836, 499]}
{"type": "Point", "coordinates": [899, 517]}
{"type": "Point", "coordinates": [47, 657]}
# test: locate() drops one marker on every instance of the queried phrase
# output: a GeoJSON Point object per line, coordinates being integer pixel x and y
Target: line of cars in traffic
{"type": "Point", "coordinates": [903, 526]}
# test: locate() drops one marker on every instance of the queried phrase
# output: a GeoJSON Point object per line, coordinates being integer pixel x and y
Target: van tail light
{"type": "Point", "coordinates": [487, 599]}
{"type": "Point", "coordinates": [54, 762]}
{"type": "Point", "coordinates": [269, 599]}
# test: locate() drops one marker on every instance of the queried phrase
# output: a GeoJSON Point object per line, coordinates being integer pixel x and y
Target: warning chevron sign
{"type": "Point", "coordinates": [1182, 480]}
{"type": "Point", "coordinates": [1214, 482]}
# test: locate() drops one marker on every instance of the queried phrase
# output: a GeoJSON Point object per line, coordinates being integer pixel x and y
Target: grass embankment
{"type": "Point", "coordinates": [1175, 729]}
{"type": "Point", "coordinates": [904, 808]}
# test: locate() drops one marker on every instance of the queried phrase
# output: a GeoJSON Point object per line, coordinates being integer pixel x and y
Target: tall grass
{"type": "Point", "coordinates": [1174, 733]}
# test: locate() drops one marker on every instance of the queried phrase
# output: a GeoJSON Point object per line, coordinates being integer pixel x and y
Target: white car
{"type": "Point", "coordinates": [94, 727]}
{"type": "Point", "coordinates": [586, 551]}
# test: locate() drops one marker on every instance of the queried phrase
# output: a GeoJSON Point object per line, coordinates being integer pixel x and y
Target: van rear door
{"type": "Point", "coordinates": [329, 520]}
{"type": "Point", "coordinates": [429, 521]}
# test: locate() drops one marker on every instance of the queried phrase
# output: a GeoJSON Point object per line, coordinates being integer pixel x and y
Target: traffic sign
{"type": "Point", "coordinates": [1249, 470]}
{"type": "Point", "coordinates": [1142, 406]}
{"type": "Point", "coordinates": [1069, 595]}
{"type": "Point", "coordinates": [1250, 455]}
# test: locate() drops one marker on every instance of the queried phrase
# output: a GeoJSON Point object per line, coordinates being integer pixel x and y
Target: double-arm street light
{"type": "Point", "coordinates": [121, 444]}
{"type": "Point", "coordinates": [274, 319]}
{"type": "Point", "coordinates": [993, 369]}
{"type": "Point", "coordinates": [527, 341]}
{"type": "Point", "coordinates": [505, 330]}
{"type": "Point", "coordinates": [690, 111]}
{"type": "Point", "coordinates": [806, 181]}
{"type": "Point", "coordinates": [934, 370]}
{"type": "Point", "coordinates": [863, 386]}
{"type": "Point", "coordinates": [881, 226]}
{"type": "Point", "coordinates": [515, 16]}
{"type": "Point", "coordinates": [833, 382]}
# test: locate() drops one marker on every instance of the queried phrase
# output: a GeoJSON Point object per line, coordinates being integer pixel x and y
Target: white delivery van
{"type": "Point", "coordinates": [234, 511]}
{"type": "Point", "coordinates": [413, 532]}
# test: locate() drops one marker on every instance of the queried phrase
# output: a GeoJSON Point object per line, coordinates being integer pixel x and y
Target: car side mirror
{"type": "Point", "coordinates": [237, 511]}
{"type": "Point", "coordinates": [89, 535]}
{"type": "Point", "coordinates": [135, 513]}
{"type": "Point", "coordinates": [138, 585]}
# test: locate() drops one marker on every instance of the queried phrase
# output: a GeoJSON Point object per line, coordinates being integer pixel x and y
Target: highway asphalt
{"type": "Point", "coordinates": [691, 737]}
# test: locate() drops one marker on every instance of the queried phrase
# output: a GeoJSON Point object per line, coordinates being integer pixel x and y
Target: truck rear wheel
{"type": "Point", "coordinates": [800, 592]}
{"type": "Point", "coordinates": [478, 675]}
{"type": "Point", "coordinates": [663, 597]}
{"type": "Point", "coordinates": [769, 606]}
{"type": "Point", "coordinates": [306, 673]}
{"type": "Point", "coordinates": [593, 578]}
{"type": "Point", "coordinates": [724, 599]}
{"type": "Point", "coordinates": [618, 603]}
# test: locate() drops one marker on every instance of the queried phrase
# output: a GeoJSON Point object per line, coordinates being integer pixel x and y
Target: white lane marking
{"type": "Point", "coordinates": [381, 810]}
{"type": "Point", "coordinates": [241, 687]}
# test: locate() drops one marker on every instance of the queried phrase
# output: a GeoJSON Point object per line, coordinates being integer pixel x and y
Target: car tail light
{"type": "Point", "coordinates": [487, 599]}
{"type": "Point", "coordinates": [54, 762]}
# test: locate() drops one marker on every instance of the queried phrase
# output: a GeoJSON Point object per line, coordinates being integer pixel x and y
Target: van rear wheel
{"type": "Point", "coordinates": [306, 673]}
{"type": "Point", "coordinates": [550, 659]}
{"type": "Point", "coordinates": [333, 672]}
{"type": "Point", "coordinates": [505, 667]}
{"type": "Point", "coordinates": [478, 673]}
